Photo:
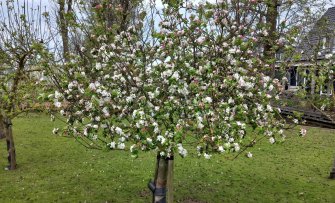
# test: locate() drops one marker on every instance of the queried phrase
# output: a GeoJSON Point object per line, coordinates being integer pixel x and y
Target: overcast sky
{"type": "Point", "coordinates": [159, 3]}
{"type": "Point", "coordinates": [47, 2]}
{"type": "Point", "coordinates": [49, 5]}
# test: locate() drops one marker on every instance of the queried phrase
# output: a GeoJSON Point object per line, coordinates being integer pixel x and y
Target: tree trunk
{"type": "Point", "coordinates": [64, 26]}
{"type": "Point", "coordinates": [332, 172]}
{"type": "Point", "coordinates": [161, 182]}
{"type": "Point", "coordinates": [10, 146]}
{"type": "Point", "coordinates": [270, 40]}
{"type": "Point", "coordinates": [2, 128]}
{"type": "Point", "coordinates": [7, 124]}
{"type": "Point", "coordinates": [170, 181]}
{"type": "Point", "coordinates": [271, 21]}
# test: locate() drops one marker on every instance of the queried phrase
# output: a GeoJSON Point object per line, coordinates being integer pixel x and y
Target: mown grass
{"type": "Point", "coordinates": [57, 169]}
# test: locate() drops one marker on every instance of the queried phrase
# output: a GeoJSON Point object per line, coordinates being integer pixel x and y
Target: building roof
{"type": "Point", "coordinates": [320, 40]}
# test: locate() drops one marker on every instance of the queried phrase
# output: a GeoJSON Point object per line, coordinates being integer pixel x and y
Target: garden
{"type": "Point", "coordinates": [54, 168]}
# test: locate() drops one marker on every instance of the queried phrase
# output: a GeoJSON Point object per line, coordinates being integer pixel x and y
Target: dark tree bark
{"type": "Point", "coordinates": [170, 181]}
{"type": "Point", "coordinates": [6, 129]}
{"type": "Point", "coordinates": [2, 129]}
{"type": "Point", "coordinates": [271, 21]}
{"type": "Point", "coordinates": [10, 145]}
{"type": "Point", "coordinates": [126, 10]}
{"type": "Point", "coordinates": [112, 17]}
{"type": "Point", "coordinates": [271, 17]}
{"type": "Point", "coordinates": [64, 25]}
{"type": "Point", "coordinates": [332, 172]}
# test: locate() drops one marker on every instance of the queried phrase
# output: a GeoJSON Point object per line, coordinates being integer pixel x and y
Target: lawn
{"type": "Point", "coordinates": [57, 169]}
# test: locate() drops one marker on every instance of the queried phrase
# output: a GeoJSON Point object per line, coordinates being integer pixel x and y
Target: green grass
{"type": "Point", "coordinates": [57, 169]}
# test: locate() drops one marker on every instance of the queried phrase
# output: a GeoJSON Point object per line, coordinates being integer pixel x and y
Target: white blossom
{"type": "Point", "coordinates": [112, 145]}
{"type": "Point", "coordinates": [58, 104]}
{"type": "Point", "coordinates": [272, 140]}
{"type": "Point", "coordinates": [118, 131]}
{"type": "Point", "coordinates": [221, 149]}
{"type": "Point", "coordinates": [207, 156]}
{"type": "Point", "coordinates": [55, 131]}
{"type": "Point", "coordinates": [176, 75]}
{"type": "Point", "coordinates": [92, 86]}
{"type": "Point", "coordinates": [182, 151]}
{"type": "Point", "coordinates": [149, 140]}
{"type": "Point", "coordinates": [161, 139]}
{"type": "Point", "coordinates": [57, 95]}
{"type": "Point", "coordinates": [303, 132]}
{"type": "Point", "coordinates": [236, 147]}
{"type": "Point", "coordinates": [121, 146]}
{"type": "Point", "coordinates": [132, 147]}
{"type": "Point", "coordinates": [249, 155]}
{"type": "Point", "coordinates": [200, 40]}
{"type": "Point", "coordinates": [208, 100]}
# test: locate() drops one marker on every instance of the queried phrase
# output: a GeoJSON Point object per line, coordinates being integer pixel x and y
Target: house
{"type": "Point", "coordinates": [315, 49]}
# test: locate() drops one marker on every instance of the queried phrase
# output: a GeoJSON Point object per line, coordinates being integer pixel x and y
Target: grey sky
{"type": "Point", "coordinates": [48, 3]}
{"type": "Point", "coordinates": [158, 2]}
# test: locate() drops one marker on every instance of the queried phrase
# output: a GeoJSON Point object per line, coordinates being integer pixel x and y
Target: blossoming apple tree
{"type": "Point", "coordinates": [201, 80]}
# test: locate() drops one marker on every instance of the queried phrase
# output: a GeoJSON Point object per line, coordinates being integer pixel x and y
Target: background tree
{"type": "Point", "coordinates": [281, 17]}
{"type": "Point", "coordinates": [75, 24]}
{"type": "Point", "coordinates": [21, 34]}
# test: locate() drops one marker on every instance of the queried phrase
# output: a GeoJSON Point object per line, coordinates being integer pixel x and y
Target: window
{"type": "Point", "coordinates": [293, 80]}
{"type": "Point", "coordinates": [279, 56]}
{"type": "Point", "coordinates": [326, 89]}
{"type": "Point", "coordinates": [324, 41]}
